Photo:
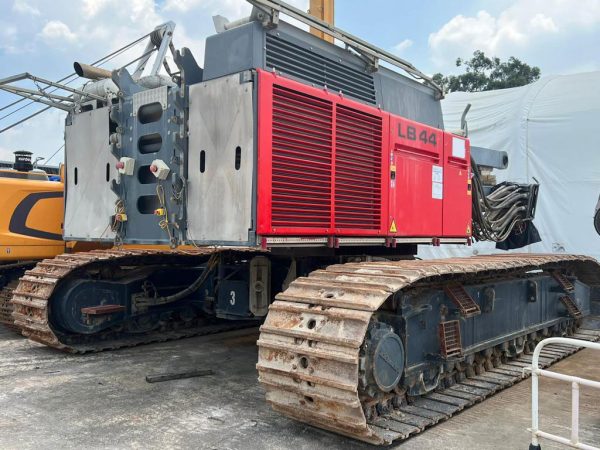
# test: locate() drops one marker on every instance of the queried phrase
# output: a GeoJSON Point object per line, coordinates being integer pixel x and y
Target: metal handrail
{"type": "Point", "coordinates": [361, 46]}
{"type": "Point", "coordinates": [536, 372]}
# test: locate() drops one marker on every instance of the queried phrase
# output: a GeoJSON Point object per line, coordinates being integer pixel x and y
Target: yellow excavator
{"type": "Point", "coordinates": [30, 224]}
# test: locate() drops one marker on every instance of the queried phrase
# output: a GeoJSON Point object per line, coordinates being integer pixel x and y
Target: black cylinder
{"type": "Point", "coordinates": [23, 161]}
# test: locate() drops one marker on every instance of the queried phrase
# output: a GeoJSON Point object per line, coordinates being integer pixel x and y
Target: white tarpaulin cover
{"type": "Point", "coordinates": [551, 131]}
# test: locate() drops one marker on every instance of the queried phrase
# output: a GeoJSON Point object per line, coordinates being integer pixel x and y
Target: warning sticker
{"type": "Point", "coordinates": [458, 147]}
{"type": "Point", "coordinates": [437, 191]}
{"type": "Point", "coordinates": [393, 226]}
{"type": "Point", "coordinates": [437, 182]}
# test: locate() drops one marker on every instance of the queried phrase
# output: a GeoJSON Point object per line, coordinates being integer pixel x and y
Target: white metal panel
{"type": "Point", "coordinates": [89, 202]}
{"type": "Point", "coordinates": [220, 198]}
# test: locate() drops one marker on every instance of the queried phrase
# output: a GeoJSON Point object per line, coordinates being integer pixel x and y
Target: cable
{"type": "Point", "coordinates": [164, 223]}
{"type": "Point", "coordinates": [99, 62]}
{"type": "Point", "coordinates": [25, 119]}
{"type": "Point", "coordinates": [54, 154]}
{"type": "Point", "coordinates": [117, 225]}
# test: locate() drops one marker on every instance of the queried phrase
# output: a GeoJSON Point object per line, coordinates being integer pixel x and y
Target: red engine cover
{"type": "Point", "coordinates": [416, 197]}
{"type": "Point", "coordinates": [322, 162]}
{"type": "Point", "coordinates": [330, 166]}
{"type": "Point", "coordinates": [457, 186]}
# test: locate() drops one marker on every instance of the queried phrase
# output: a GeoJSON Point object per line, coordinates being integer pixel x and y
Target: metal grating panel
{"type": "Point", "coordinates": [358, 162]}
{"type": "Point", "coordinates": [299, 62]}
{"type": "Point", "coordinates": [302, 154]}
{"type": "Point", "coordinates": [158, 95]}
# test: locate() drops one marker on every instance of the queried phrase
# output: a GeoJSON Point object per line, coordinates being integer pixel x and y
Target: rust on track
{"type": "Point", "coordinates": [32, 297]}
{"type": "Point", "coordinates": [309, 345]}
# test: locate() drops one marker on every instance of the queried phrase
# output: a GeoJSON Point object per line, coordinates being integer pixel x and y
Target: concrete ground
{"type": "Point", "coordinates": [53, 400]}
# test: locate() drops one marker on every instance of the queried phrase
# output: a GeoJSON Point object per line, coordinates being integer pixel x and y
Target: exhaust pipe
{"type": "Point", "coordinates": [22, 161]}
{"type": "Point", "coordinates": [91, 72]}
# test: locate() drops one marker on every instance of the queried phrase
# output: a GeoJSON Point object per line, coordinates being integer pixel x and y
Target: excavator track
{"type": "Point", "coordinates": [10, 274]}
{"type": "Point", "coordinates": [310, 344]}
{"type": "Point", "coordinates": [6, 307]}
{"type": "Point", "coordinates": [32, 299]}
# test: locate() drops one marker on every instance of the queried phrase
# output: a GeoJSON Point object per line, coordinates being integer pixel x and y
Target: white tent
{"type": "Point", "coordinates": [551, 131]}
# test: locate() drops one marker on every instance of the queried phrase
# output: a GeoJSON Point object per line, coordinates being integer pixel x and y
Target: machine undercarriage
{"type": "Point", "coordinates": [377, 350]}
{"type": "Point", "coordinates": [348, 348]}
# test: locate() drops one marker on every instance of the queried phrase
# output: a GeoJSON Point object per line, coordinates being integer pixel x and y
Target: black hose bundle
{"type": "Point", "coordinates": [508, 209]}
{"type": "Point", "coordinates": [155, 300]}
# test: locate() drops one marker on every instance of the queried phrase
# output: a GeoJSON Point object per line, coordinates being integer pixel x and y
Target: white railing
{"type": "Point", "coordinates": [575, 382]}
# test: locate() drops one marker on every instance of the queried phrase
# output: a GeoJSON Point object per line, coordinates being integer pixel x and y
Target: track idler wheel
{"type": "Point", "coordinates": [383, 360]}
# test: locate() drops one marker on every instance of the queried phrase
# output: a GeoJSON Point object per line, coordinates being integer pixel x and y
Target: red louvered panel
{"type": "Point", "coordinates": [358, 162]}
{"type": "Point", "coordinates": [321, 162]}
{"type": "Point", "coordinates": [301, 160]}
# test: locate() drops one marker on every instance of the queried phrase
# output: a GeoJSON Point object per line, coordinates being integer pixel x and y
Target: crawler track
{"type": "Point", "coordinates": [6, 307]}
{"type": "Point", "coordinates": [32, 298]}
{"type": "Point", "coordinates": [10, 273]}
{"type": "Point", "coordinates": [311, 373]}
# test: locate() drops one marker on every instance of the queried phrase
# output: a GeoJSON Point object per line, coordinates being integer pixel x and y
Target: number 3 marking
{"type": "Point", "coordinates": [232, 299]}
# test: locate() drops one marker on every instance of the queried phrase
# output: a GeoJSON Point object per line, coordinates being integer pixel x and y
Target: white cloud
{"type": "Point", "coordinates": [523, 24]}
{"type": "Point", "coordinates": [544, 23]}
{"type": "Point", "coordinates": [401, 47]}
{"type": "Point", "coordinates": [462, 35]}
{"type": "Point", "coordinates": [55, 29]}
{"type": "Point", "coordinates": [21, 6]}
{"type": "Point", "coordinates": [182, 5]}
{"type": "Point", "coordinates": [8, 38]}
{"type": "Point", "coordinates": [92, 7]}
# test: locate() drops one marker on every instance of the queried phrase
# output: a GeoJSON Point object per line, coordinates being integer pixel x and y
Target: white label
{"type": "Point", "coordinates": [437, 174]}
{"type": "Point", "coordinates": [437, 182]}
{"type": "Point", "coordinates": [437, 191]}
{"type": "Point", "coordinates": [458, 147]}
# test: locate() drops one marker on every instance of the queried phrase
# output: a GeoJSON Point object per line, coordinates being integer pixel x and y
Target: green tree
{"type": "Point", "coordinates": [485, 74]}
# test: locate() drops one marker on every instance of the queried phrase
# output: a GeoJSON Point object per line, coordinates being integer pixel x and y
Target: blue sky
{"type": "Point", "coordinates": [45, 37]}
